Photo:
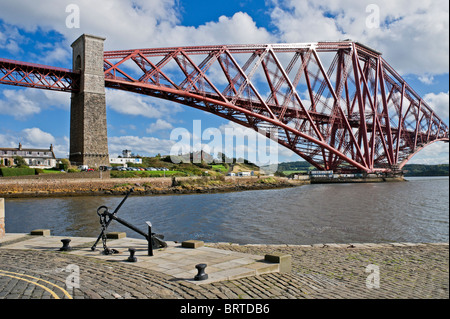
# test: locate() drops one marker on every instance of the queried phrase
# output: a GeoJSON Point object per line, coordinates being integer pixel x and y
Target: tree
{"type": "Point", "coordinates": [65, 164]}
{"type": "Point", "coordinates": [20, 162]}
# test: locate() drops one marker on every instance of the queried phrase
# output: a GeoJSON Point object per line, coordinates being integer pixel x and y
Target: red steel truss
{"type": "Point", "coordinates": [38, 76]}
{"type": "Point", "coordinates": [339, 105]}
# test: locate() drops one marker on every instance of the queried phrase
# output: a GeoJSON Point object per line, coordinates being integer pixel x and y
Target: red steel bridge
{"type": "Point", "coordinates": [338, 105]}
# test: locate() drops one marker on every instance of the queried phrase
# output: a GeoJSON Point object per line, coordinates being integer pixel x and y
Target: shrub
{"type": "Point", "coordinates": [267, 180]}
{"type": "Point", "coordinates": [20, 162]}
{"type": "Point", "coordinates": [63, 166]}
{"type": "Point", "coordinates": [122, 174]}
{"type": "Point", "coordinates": [12, 171]}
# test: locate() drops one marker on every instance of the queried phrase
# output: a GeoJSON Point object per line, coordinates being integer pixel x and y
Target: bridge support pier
{"type": "Point", "coordinates": [88, 130]}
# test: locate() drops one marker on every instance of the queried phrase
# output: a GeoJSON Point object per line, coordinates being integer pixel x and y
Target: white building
{"type": "Point", "coordinates": [34, 157]}
{"type": "Point", "coordinates": [125, 158]}
{"type": "Point", "coordinates": [242, 174]}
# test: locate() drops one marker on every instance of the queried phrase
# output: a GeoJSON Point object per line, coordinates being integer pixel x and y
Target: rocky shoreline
{"type": "Point", "coordinates": [23, 188]}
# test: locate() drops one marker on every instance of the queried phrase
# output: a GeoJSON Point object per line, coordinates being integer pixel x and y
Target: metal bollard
{"type": "Point", "coordinates": [149, 239]}
{"type": "Point", "coordinates": [132, 258]}
{"type": "Point", "coordinates": [201, 272]}
{"type": "Point", "coordinates": [65, 246]}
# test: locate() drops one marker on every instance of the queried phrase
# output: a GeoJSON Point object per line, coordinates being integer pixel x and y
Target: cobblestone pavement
{"type": "Point", "coordinates": [318, 271]}
{"type": "Point", "coordinates": [342, 271]}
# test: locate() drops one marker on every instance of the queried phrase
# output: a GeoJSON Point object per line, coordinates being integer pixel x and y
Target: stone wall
{"type": "Point", "coordinates": [16, 188]}
{"type": "Point", "coordinates": [77, 175]}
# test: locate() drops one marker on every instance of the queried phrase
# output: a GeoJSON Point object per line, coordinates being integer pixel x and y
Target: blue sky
{"type": "Point", "coordinates": [412, 35]}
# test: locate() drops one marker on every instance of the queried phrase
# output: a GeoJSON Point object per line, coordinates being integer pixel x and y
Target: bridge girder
{"type": "Point", "coordinates": [339, 105]}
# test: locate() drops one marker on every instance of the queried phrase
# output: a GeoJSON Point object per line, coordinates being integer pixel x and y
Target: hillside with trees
{"type": "Point", "coordinates": [425, 170]}
{"type": "Point", "coordinates": [409, 169]}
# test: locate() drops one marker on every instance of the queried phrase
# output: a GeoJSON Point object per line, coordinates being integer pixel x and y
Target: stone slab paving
{"type": "Point", "coordinates": [323, 271]}
{"type": "Point", "coordinates": [51, 243]}
{"type": "Point", "coordinates": [173, 260]}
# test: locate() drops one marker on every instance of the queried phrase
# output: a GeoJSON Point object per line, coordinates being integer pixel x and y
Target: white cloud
{"type": "Point", "coordinates": [436, 153]}
{"type": "Point", "coordinates": [138, 105]}
{"type": "Point", "coordinates": [238, 29]}
{"type": "Point", "coordinates": [7, 140]}
{"type": "Point", "coordinates": [139, 145]}
{"type": "Point", "coordinates": [23, 103]}
{"type": "Point", "coordinates": [18, 105]}
{"type": "Point", "coordinates": [158, 126]}
{"type": "Point", "coordinates": [439, 103]}
{"type": "Point", "coordinates": [413, 35]}
{"type": "Point", "coordinates": [131, 104]}
{"type": "Point", "coordinates": [152, 23]}
{"type": "Point", "coordinates": [55, 54]}
{"type": "Point", "coordinates": [114, 19]}
{"type": "Point", "coordinates": [426, 79]}
{"type": "Point", "coordinates": [61, 147]}
{"type": "Point", "coordinates": [242, 142]}
{"type": "Point", "coordinates": [37, 138]}
{"type": "Point", "coordinates": [10, 39]}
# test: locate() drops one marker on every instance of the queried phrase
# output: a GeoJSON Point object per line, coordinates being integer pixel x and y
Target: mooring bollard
{"type": "Point", "coordinates": [132, 258]}
{"type": "Point", "coordinates": [65, 246]}
{"type": "Point", "coordinates": [149, 239]}
{"type": "Point", "coordinates": [201, 272]}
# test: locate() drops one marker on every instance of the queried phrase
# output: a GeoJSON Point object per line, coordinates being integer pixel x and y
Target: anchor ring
{"type": "Point", "coordinates": [105, 209]}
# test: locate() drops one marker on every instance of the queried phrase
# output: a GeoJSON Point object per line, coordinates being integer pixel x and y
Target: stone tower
{"type": "Point", "coordinates": [88, 131]}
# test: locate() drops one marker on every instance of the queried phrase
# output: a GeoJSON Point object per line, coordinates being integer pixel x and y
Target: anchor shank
{"type": "Point", "coordinates": [137, 230]}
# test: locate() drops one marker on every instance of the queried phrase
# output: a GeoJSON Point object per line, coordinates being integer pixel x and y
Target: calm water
{"type": "Point", "coordinates": [414, 211]}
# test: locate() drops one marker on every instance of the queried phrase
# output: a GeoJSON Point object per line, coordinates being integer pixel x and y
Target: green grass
{"type": "Point", "coordinates": [291, 172]}
{"type": "Point", "coordinates": [267, 180]}
{"type": "Point", "coordinates": [51, 171]}
{"type": "Point", "coordinates": [161, 174]}
{"type": "Point", "coordinates": [220, 168]}
{"type": "Point", "coordinates": [131, 174]}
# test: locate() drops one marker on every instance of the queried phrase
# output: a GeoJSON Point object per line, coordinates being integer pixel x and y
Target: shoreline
{"type": "Point", "coordinates": [23, 188]}
{"type": "Point", "coordinates": [94, 186]}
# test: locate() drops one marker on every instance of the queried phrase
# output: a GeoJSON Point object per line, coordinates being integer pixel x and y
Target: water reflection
{"type": "Point", "coordinates": [416, 211]}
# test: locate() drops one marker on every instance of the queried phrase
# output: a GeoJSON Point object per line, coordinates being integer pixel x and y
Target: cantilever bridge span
{"type": "Point", "coordinates": [339, 105]}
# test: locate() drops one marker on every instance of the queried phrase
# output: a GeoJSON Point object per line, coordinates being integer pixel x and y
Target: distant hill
{"type": "Point", "coordinates": [409, 169]}
{"type": "Point", "coordinates": [285, 169]}
{"type": "Point", "coordinates": [244, 167]}
{"type": "Point", "coordinates": [288, 168]}
{"type": "Point", "coordinates": [425, 170]}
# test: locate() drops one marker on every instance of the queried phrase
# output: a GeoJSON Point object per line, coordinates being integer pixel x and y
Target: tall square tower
{"type": "Point", "coordinates": [88, 128]}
